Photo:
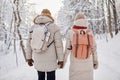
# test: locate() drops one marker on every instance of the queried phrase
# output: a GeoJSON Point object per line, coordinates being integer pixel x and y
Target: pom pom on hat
{"type": "Point", "coordinates": [46, 12]}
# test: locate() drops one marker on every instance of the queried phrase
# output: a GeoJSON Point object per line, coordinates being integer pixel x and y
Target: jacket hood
{"type": "Point", "coordinates": [42, 19]}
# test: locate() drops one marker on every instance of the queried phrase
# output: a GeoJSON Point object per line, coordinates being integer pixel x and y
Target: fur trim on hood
{"type": "Point", "coordinates": [42, 19]}
{"type": "Point", "coordinates": [46, 12]}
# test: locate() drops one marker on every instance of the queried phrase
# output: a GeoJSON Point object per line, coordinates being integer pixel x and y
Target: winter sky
{"type": "Point", "coordinates": [52, 5]}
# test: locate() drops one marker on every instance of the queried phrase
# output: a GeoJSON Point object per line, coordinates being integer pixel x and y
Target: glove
{"type": "Point", "coordinates": [30, 62]}
{"type": "Point", "coordinates": [61, 63]}
{"type": "Point", "coordinates": [95, 65]}
{"type": "Point", "coordinates": [70, 48]}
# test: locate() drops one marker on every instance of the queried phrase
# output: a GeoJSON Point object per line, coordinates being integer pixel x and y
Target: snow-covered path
{"type": "Point", "coordinates": [108, 55]}
{"type": "Point", "coordinates": [29, 73]}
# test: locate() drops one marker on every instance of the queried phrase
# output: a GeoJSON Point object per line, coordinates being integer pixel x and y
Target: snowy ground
{"type": "Point", "coordinates": [108, 55]}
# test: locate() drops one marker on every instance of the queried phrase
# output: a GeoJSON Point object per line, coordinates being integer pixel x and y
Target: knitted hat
{"type": "Point", "coordinates": [79, 15]}
{"type": "Point", "coordinates": [80, 20]}
{"type": "Point", "coordinates": [46, 12]}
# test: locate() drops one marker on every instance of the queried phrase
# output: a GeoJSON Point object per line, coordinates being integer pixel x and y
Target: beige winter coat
{"type": "Point", "coordinates": [47, 61]}
{"type": "Point", "coordinates": [80, 69]}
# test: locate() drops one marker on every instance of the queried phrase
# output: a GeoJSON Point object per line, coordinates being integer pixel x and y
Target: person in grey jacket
{"type": "Point", "coordinates": [48, 61]}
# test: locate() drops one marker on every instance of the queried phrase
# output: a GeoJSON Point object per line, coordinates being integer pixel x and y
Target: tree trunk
{"type": "Point", "coordinates": [18, 22]}
{"type": "Point", "coordinates": [109, 20]}
{"type": "Point", "coordinates": [115, 16]}
{"type": "Point", "coordinates": [104, 20]}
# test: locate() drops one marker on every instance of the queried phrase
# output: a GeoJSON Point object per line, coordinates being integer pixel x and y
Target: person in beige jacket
{"type": "Point", "coordinates": [80, 69]}
{"type": "Point", "coordinates": [48, 61]}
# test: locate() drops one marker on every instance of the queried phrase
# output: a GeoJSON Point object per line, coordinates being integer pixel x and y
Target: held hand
{"type": "Point", "coordinates": [70, 48]}
{"type": "Point", "coordinates": [30, 62]}
{"type": "Point", "coordinates": [61, 63]}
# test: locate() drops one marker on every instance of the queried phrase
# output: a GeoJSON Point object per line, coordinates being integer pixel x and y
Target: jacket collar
{"type": "Point", "coordinates": [42, 19]}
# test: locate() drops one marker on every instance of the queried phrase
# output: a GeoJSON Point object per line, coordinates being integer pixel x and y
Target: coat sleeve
{"type": "Point", "coordinates": [67, 47]}
{"type": "Point", "coordinates": [29, 49]}
{"type": "Point", "coordinates": [58, 43]}
{"type": "Point", "coordinates": [94, 53]}
{"type": "Point", "coordinates": [94, 48]}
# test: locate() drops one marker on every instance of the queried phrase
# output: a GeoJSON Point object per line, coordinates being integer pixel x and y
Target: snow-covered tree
{"type": "Point", "coordinates": [15, 20]}
{"type": "Point", "coordinates": [96, 11]}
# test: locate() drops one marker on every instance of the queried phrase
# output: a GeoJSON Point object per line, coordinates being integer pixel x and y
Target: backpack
{"type": "Point", "coordinates": [40, 37]}
{"type": "Point", "coordinates": [82, 43]}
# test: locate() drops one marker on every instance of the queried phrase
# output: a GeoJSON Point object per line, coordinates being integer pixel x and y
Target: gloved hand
{"type": "Point", "coordinates": [70, 48]}
{"type": "Point", "coordinates": [30, 62]}
{"type": "Point", "coordinates": [61, 63]}
{"type": "Point", "coordinates": [95, 64]}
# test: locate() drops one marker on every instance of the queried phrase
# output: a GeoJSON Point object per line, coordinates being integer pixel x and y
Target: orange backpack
{"type": "Point", "coordinates": [81, 43]}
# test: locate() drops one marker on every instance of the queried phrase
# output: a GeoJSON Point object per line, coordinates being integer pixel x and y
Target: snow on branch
{"type": "Point", "coordinates": [98, 19]}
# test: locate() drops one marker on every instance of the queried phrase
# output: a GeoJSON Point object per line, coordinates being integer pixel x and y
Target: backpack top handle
{"type": "Point", "coordinates": [82, 32]}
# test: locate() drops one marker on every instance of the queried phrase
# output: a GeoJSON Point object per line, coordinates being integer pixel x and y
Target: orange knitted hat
{"type": "Point", "coordinates": [46, 12]}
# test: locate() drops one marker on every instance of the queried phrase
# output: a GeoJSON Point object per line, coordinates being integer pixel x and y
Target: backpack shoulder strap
{"type": "Point", "coordinates": [47, 31]}
{"type": "Point", "coordinates": [76, 47]}
{"type": "Point", "coordinates": [50, 44]}
{"type": "Point", "coordinates": [88, 39]}
{"type": "Point", "coordinates": [31, 31]}
{"type": "Point", "coordinates": [88, 46]}
{"type": "Point", "coordinates": [46, 26]}
{"type": "Point", "coordinates": [89, 32]}
{"type": "Point", "coordinates": [48, 23]}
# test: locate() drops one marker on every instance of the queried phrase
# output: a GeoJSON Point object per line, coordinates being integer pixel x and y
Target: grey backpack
{"type": "Point", "coordinates": [40, 37]}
